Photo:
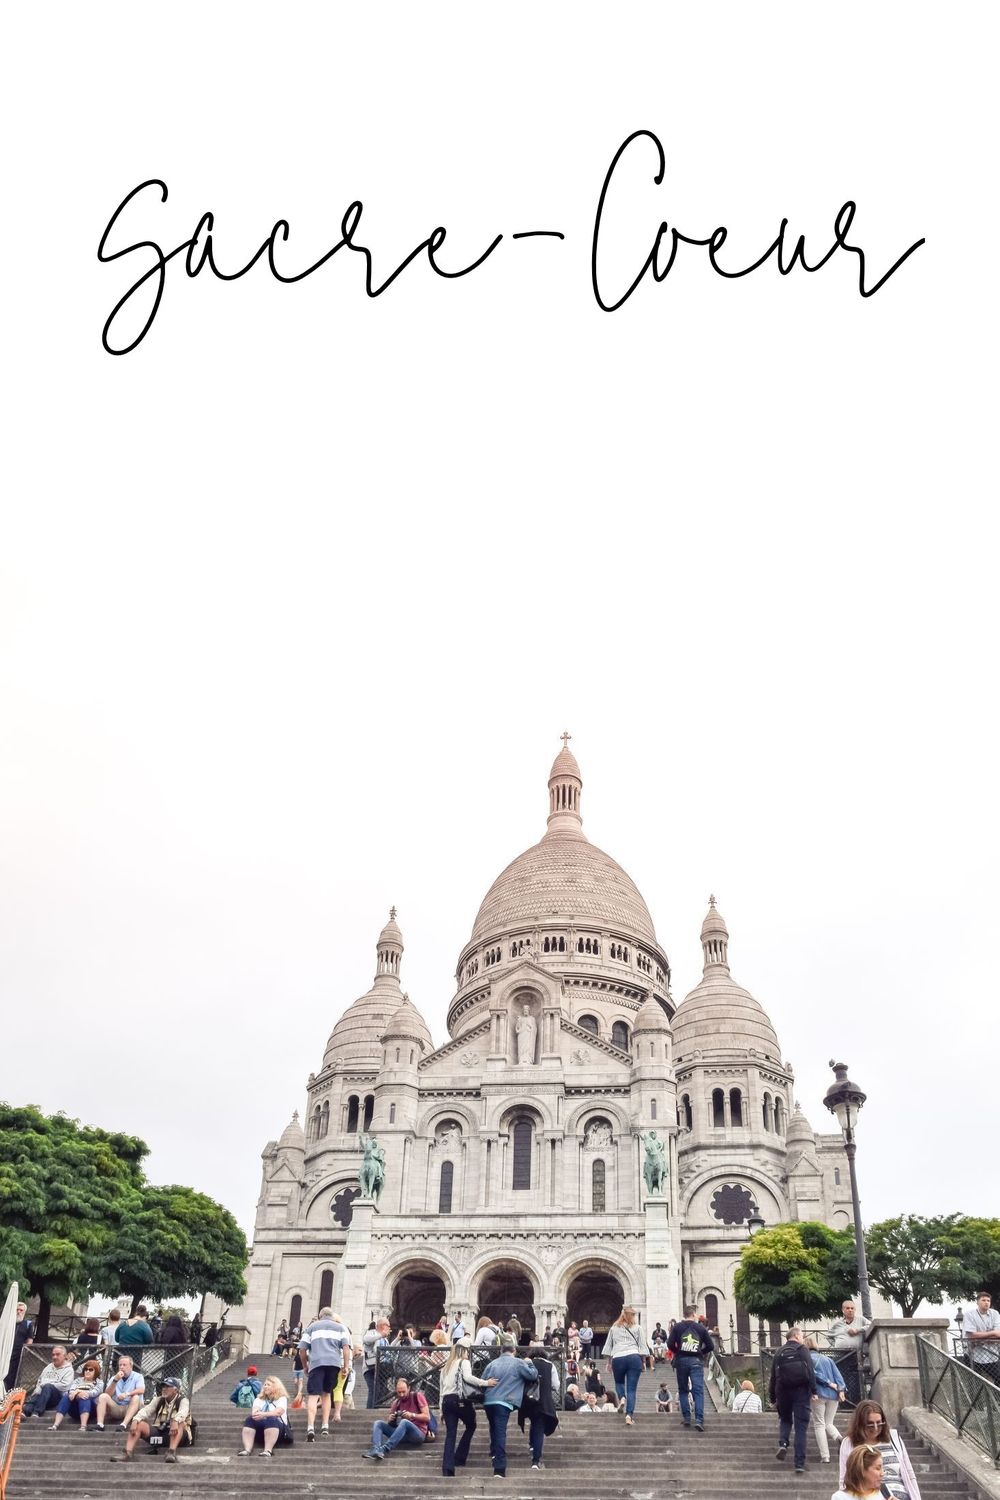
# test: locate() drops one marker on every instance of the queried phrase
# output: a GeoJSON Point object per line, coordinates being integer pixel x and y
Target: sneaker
{"type": "Point", "coordinates": [700, 1426]}
{"type": "Point", "coordinates": [170, 1458]}
{"type": "Point", "coordinates": [782, 1450]}
{"type": "Point", "coordinates": [685, 1424]}
{"type": "Point", "coordinates": [800, 1468]}
{"type": "Point", "coordinates": [324, 1432]}
{"type": "Point", "coordinates": [538, 1466]}
{"type": "Point", "coordinates": [310, 1435]}
{"type": "Point", "coordinates": [98, 1426]}
{"type": "Point", "coordinates": [122, 1458]}
{"type": "Point", "coordinates": [374, 1453]}
{"type": "Point", "coordinates": [264, 1453]}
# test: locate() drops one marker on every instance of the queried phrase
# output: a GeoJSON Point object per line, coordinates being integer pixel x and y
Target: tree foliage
{"type": "Point", "coordinates": [907, 1259]}
{"type": "Point", "coordinates": [971, 1259]}
{"type": "Point", "coordinates": [795, 1272]}
{"type": "Point", "coordinates": [77, 1216]}
{"type": "Point", "coordinates": [174, 1242]}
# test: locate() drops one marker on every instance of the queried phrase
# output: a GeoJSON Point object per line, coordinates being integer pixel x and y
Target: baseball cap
{"type": "Point", "coordinates": [251, 1369]}
{"type": "Point", "coordinates": [171, 1380]}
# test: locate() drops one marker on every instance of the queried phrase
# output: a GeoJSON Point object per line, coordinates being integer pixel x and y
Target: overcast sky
{"type": "Point", "coordinates": [296, 599]}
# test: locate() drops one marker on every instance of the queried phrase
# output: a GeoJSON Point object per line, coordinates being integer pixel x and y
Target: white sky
{"type": "Point", "coordinates": [296, 599]}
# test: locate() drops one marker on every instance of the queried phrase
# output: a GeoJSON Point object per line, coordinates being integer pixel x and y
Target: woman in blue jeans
{"type": "Point", "coordinates": [627, 1351]}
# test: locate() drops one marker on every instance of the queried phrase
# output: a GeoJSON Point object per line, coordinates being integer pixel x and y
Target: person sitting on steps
{"type": "Point", "coordinates": [164, 1423]}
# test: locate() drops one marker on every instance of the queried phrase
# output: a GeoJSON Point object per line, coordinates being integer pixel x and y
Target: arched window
{"type": "Point", "coordinates": [718, 1108]}
{"type": "Point", "coordinates": [768, 1113]}
{"type": "Point", "coordinates": [369, 1111]}
{"type": "Point", "coordinates": [326, 1289]}
{"type": "Point", "coordinates": [325, 1122]}
{"type": "Point", "coordinates": [779, 1116]}
{"type": "Point", "coordinates": [711, 1310]}
{"type": "Point", "coordinates": [314, 1122]}
{"type": "Point", "coordinates": [735, 1112]}
{"type": "Point", "coordinates": [686, 1115]}
{"type": "Point", "coordinates": [598, 1185]}
{"type": "Point", "coordinates": [521, 1164]}
{"type": "Point", "coordinates": [353, 1104]}
{"type": "Point", "coordinates": [444, 1192]}
{"type": "Point", "coordinates": [588, 1023]}
{"type": "Point", "coordinates": [295, 1311]}
{"type": "Point", "coordinates": [619, 1035]}
{"type": "Point", "coordinates": [652, 1109]}
{"type": "Point", "coordinates": [392, 1114]}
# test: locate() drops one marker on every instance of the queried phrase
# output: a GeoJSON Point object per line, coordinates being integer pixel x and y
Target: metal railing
{"type": "Point", "coordinates": [969, 1401]}
{"type": "Point", "coordinates": [153, 1361]}
{"type": "Point", "coordinates": [422, 1364]}
{"type": "Point", "coordinates": [852, 1364]}
{"type": "Point", "coordinates": [981, 1355]}
{"type": "Point", "coordinates": [720, 1379]}
{"type": "Point", "coordinates": [10, 1418]}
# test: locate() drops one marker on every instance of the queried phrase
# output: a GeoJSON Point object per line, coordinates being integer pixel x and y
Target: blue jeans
{"type": "Point", "coordinates": [536, 1435]}
{"type": "Point", "coordinates": [370, 1383]}
{"type": "Point", "coordinates": [388, 1436]}
{"type": "Point", "coordinates": [455, 1410]}
{"type": "Point", "coordinates": [690, 1380]}
{"type": "Point", "coordinates": [498, 1416]}
{"type": "Point", "coordinates": [794, 1406]}
{"type": "Point", "coordinates": [626, 1369]}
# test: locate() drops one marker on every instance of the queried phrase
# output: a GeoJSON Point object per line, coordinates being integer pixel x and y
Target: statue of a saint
{"type": "Point", "coordinates": [526, 1029]}
{"type": "Point", "coordinates": [654, 1168]}
{"type": "Point", "coordinates": [371, 1173]}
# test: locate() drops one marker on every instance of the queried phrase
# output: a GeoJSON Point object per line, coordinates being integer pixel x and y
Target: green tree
{"type": "Point", "coordinates": [796, 1272]}
{"type": "Point", "coordinates": [62, 1189]}
{"type": "Point", "coordinates": [908, 1259]}
{"type": "Point", "coordinates": [971, 1257]}
{"type": "Point", "coordinates": [173, 1242]}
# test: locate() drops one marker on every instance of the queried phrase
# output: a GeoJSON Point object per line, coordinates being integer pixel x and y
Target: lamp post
{"type": "Point", "coordinates": [755, 1223]}
{"type": "Point", "coordinates": [844, 1100]}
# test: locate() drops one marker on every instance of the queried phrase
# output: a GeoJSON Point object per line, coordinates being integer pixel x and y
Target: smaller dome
{"type": "Point", "coordinates": [713, 925]}
{"type": "Point", "coordinates": [799, 1132]}
{"type": "Point", "coordinates": [565, 765]}
{"type": "Point", "coordinates": [407, 1022]}
{"type": "Point", "coordinates": [651, 1016]}
{"type": "Point", "coordinates": [390, 932]}
{"type": "Point", "coordinates": [293, 1137]}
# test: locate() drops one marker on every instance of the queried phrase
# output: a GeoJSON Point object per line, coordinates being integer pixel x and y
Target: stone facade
{"type": "Point", "coordinates": [514, 1152]}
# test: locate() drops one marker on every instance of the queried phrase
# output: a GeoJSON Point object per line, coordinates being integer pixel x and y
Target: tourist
{"type": "Point", "coordinates": [349, 1383]}
{"type": "Point", "coordinates": [173, 1331]}
{"type": "Point", "coordinates": [593, 1382]}
{"type": "Point", "coordinates": [547, 1335]}
{"type": "Point", "coordinates": [573, 1341]}
{"type": "Point", "coordinates": [627, 1351]}
{"type": "Point", "coordinates": [298, 1370]}
{"type": "Point", "coordinates": [664, 1400]}
{"type": "Point", "coordinates": [409, 1422]}
{"type": "Point", "coordinates": [247, 1390]}
{"type": "Point", "coordinates": [864, 1476]}
{"type": "Point", "coordinates": [514, 1328]}
{"type": "Point", "coordinates": [90, 1334]}
{"type": "Point", "coordinates": [981, 1329]}
{"type": "Point", "coordinates": [591, 1403]}
{"type": "Point", "coordinates": [196, 1328]}
{"type": "Point", "coordinates": [135, 1329]}
{"type": "Point", "coordinates": [340, 1385]}
{"type": "Point", "coordinates": [122, 1396]}
{"type": "Point", "coordinates": [156, 1323]}
{"type": "Point", "coordinates": [457, 1328]}
{"type": "Point", "coordinates": [573, 1400]}
{"type": "Point", "coordinates": [457, 1386]}
{"type": "Point", "coordinates": [268, 1419]}
{"type": "Point", "coordinates": [407, 1337]}
{"type": "Point", "coordinates": [326, 1346]}
{"type": "Point", "coordinates": [510, 1376]}
{"type": "Point", "coordinates": [24, 1333]}
{"type": "Point", "coordinates": [109, 1333]}
{"type": "Point", "coordinates": [847, 1336]}
{"type": "Point", "coordinates": [165, 1423]}
{"type": "Point", "coordinates": [280, 1340]}
{"type": "Point", "coordinates": [689, 1343]}
{"type": "Point", "coordinates": [830, 1392]}
{"type": "Point", "coordinates": [81, 1398]}
{"type": "Point", "coordinates": [658, 1340]}
{"type": "Point", "coordinates": [586, 1336]}
{"type": "Point", "coordinates": [792, 1390]}
{"type": "Point", "coordinates": [486, 1333]}
{"type": "Point", "coordinates": [746, 1400]}
{"type": "Point", "coordinates": [869, 1428]}
{"type": "Point", "coordinates": [52, 1384]}
{"type": "Point", "coordinates": [609, 1403]}
{"type": "Point", "coordinates": [440, 1337]}
{"type": "Point", "coordinates": [376, 1337]}
{"type": "Point", "coordinates": [538, 1406]}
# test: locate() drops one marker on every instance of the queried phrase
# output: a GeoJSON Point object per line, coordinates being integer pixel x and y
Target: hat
{"type": "Point", "coordinates": [463, 1343]}
{"type": "Point", "coordinates": [170, 1380]}
{"type": "Point", "coordinates": [251, 1369]}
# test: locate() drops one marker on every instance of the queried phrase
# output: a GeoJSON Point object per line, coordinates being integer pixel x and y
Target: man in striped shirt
{"type": "Point", "coordinates": [325, 1348]}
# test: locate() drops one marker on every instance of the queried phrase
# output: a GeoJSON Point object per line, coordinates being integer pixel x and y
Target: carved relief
{"type": "Point", "coordinates": [597, 1135]}
{"type": "Point", "coordinates": [469, 1059]}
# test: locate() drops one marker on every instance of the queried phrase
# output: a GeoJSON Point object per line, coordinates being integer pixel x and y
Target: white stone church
{"type": "Point", "coordinates": [514, 1152]}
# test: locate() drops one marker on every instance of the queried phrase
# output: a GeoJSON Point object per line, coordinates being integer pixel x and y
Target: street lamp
{"type": "Point", "coordinates": [755, 1223]}
{"type": "Point", "coordinates": [844, 1099]}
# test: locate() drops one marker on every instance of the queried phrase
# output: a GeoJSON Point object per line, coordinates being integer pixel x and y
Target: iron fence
{"type": "Point", "coordinates": [153, 1361]}
{"type": "Point", "coordinates": [981, 1355]}
{"type": "Point", "coordinates": [969, 1401]}
{"type": "Point", "coordinates": [422, 1364]}
{"type": "Point", "coordinates": [853, 1365]}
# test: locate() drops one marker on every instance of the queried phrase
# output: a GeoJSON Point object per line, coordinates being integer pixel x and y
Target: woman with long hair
{"type": "Point", "coordinates": [268, 1417]}
{"type": "Point", "coordinates": [868, 1427]}
{"type": "Point", "coordinates": [457, 1385]}
{"type": "Point", "coordinates": [864, 1475]}
{"type": "Point", "coordinates": [627, 1351]}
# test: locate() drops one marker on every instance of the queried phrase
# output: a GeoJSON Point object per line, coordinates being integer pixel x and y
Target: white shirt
{"type": "Point", "coordinates": [981, 1351]}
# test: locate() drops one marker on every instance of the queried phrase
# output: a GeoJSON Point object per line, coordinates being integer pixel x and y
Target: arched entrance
{"type": "Point", "coordinates": [507, 1289]}
{"type": "Point", "coordinates": [598, 1296]}
{"type": "Point", "coordinates": [418, 1298]}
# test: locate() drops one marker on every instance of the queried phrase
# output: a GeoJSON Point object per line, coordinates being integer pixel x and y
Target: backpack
{"type": "Point", "coordinates": [245, 1394]}
{"type": "Point", "coordinates": [432, 1429]}
{"type": "Point", "coordinates": [792, 1365]}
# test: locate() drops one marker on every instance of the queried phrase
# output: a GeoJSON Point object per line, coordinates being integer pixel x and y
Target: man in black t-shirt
{"type": "Point", "coordinates": [690, 1344]}
{"type": "Point", "coordinates": [792, 1390]}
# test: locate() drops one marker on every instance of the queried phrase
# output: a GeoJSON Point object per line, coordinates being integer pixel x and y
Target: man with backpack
{"type": "Point", "coordinates": [248, 1389]}
{"type": "Point", "coordinates": [690, 1344]}
{"type": "Point", "coordinates": [792, 1390]}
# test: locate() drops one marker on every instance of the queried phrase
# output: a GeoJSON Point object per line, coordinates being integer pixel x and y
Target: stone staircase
{"type": "Point", "coordinates": [594, 1457]}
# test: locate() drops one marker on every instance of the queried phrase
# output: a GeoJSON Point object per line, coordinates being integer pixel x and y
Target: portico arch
{"type": "Point", "coordinates": [595, 1292]}
{"type": "Point", "coordinates": [418, 1295]}
{"type": "Point", "coordinates": [505, 1288]}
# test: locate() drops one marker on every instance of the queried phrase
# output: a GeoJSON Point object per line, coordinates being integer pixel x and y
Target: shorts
{"type": "Point", "coordinates": [322, 1379]}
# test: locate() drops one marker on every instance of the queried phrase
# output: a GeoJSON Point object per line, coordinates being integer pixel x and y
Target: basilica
{"type": "Point", "coordinates": [515, 1156]}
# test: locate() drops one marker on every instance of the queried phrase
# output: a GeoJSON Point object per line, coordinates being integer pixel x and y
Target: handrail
{"type": "Point", "coordinates": [10, 1421]}
{"type": "Point", "coordinates": [722, 1382]}
{"type": "Point", "coordinates": [966, 1399]}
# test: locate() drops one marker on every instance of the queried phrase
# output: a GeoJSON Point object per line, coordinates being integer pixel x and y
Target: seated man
{"type": "Point", "coordinates": [573, 1401]}
{"type": "Point", "coordinates": [165, 1423]}
{"type": "Point", "coordinates": [409, 1422]}
{"type": "Point", "coordinates": [53, 1384]}
{"type": "Point", "coordinates": [664, 1397]}
{"type": "Point", "coordinates": [122, 1396]}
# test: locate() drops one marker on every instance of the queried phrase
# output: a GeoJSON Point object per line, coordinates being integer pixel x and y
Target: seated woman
{"type": "Point", "coordinates": [868, 1426]}
{"type": "Point", "coordinates": [747, 1400]}
{"type": "Point", "coordinates": [81, 1398]}
{"type": "Point", "coordinates": [268, 1419]}
{"type": "Point", "coordinates": [164, 1423]}
{"type": "Point", "coordinates": [864, 1475]}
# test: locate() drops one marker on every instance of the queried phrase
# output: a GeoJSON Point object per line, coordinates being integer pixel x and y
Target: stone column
{"type": "Point", "coordinates": [354, 1266]}
{"type": "Point", "coordinates": [891, 1346]}
{"type": "Point", "coordinates": [662, 1249]}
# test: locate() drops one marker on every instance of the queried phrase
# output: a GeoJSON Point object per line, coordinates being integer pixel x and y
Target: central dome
{"type": "Point", "coordinates": [563, 879]}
